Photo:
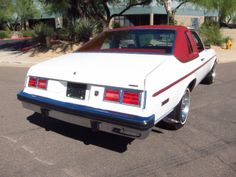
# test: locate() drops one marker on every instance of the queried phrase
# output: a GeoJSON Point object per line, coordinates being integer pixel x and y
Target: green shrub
{"type": "Point", "coordinates": [98, 27]}
{"type": "Point", "coordinates": [210, 32]}
{"type": "Point", "coordinates": [42, 34]}
{"type": "Point", "coordinates": [43, 30]}
{"type": "Point", "coordinates": [116, 25]}
{"type": "Point", "coordinates": [28, 33]}
{"type": "Point", "coordinates": [7, 30]}
{"type": "Point", "coordinates": [4, 34]}
{"type": "Point", "coordinates": [64, 34]}
{"type": "Point", "coordinates": [84, 29]}
{"type": "Point", "coordinates": [226, 39]}
{"type": "Point", "coordinates": [38, 34]}
{"type": "Point", "coordinates": [234, 20]}
{"type": "Point", "coordinates": [48, 31]}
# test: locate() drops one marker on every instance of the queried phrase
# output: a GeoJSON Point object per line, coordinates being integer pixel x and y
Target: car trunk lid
{"type": "Point", "coordinates": [108, 69]}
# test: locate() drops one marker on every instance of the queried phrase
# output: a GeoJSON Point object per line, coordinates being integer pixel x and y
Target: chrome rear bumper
{"type": "Point", "coordinates": [97, 119]}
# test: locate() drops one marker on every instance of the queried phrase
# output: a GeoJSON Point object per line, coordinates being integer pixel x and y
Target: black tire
{"type": "Point", "coordinates": [179, 115]}
{"type": "Point", "coordinates": [210, 77]}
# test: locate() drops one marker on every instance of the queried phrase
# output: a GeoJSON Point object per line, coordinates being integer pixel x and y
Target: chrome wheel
{"type": "Point", "coordinates": [213, 74]}
{"type": "Point", "coordinates": [184, 107]}
{"type": "Point", "coordinates": [210, 78]}
{"type": "Point", "coordinates": [178, 117]}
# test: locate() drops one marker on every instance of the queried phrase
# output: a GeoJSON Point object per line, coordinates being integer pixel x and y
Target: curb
{"type": "Point", "coordinates": [15, 39]}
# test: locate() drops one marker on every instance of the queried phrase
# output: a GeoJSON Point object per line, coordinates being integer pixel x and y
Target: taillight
{"type": "Point", "coordinates": [42, 84]}
{"type": "Point", "coordinates": [32, 82]}
{"type": "Point", "coordinates": [37, 82]}
{"type": "Point", "coordinates": [132, 98]}
{"type": "Point", "coordinates": [112, 95]}
{"type": "Point", "coordinates": [123, 96]}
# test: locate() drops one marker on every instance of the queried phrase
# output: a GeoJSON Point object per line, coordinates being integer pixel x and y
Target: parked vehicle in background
{"type": "Point", "coordinates": [124, 81]}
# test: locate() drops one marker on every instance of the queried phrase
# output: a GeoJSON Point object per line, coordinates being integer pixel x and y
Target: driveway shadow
{"type": "Point", "coordinates": [105, 140]}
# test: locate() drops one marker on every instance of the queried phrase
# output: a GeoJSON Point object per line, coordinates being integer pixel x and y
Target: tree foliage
{"type": "Point", "coordinates": [96, 9]}
{"type": "Point", "coordinates": [6, 10]}
{"type": "Point", "coordinates": [225, 8]}
{"type": "Point", "coordinates": [172, 11]}
{"type": "Point", "coordinates": [25, 9]}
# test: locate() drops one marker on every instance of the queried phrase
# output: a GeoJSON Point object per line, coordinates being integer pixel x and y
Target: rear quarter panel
{"type": "Point", "coordinates": [168, 82]}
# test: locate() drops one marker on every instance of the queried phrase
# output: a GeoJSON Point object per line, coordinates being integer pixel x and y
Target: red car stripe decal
{"type": "Point", "coordinates": [179, 80]}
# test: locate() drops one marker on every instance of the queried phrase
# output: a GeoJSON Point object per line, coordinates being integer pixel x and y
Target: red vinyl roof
{"type": "Point", "coordinates": [176, 27]}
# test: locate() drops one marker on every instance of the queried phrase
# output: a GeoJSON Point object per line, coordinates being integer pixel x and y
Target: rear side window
{"type": "Point", "coordinates": [198, 41]}
{"type": "Point", "coordinates": [190, 47]}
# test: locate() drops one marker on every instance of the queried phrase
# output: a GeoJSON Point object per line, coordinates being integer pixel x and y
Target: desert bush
{"type": "Point", "coordinates": [234, 20]}
{"type": "Point", "coordinates": [48, 31]}
{"type": "Point", "coordinates": [43, 34]}
{"type": "Point", "coordinates": [28, 33]}
{"type": "Point", "coordinates": [211, 34]}
{"type": "Point", "coordinates": [84, 29]}
{"type": "Point", "coordinates": [116, 25]}
{"type": "Point", "coordinates": [226, 39]}
{"type": "Point", "coordinates": [64, 34]}
{"type": "Point", "coordinates": [98, 27]}
{"type": "Point", "coordinates": [4, 34]}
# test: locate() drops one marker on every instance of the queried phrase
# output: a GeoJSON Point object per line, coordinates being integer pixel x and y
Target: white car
{"type": "Point", "coordinates": [124, 81]}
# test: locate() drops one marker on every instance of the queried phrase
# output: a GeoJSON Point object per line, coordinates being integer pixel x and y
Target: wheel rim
{"type": "Point", "coordinates": [185, 104]}
{"type": "Point", "coordinates": [213, 74]}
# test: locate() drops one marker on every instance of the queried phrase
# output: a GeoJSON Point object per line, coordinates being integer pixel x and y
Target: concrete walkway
{"type": "Point", "coordinates": [18, 59]}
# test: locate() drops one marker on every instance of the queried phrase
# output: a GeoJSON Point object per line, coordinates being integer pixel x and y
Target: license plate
{"type": "Point", "coordinates": [75, 90]}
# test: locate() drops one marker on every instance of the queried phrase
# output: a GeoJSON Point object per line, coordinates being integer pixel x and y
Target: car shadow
{"type": "Point", "coordinates": [165, 125]}
{"type": "Point", "coordinates": [102, 139]}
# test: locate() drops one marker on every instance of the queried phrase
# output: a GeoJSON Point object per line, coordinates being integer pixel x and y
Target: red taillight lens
{"type": "Point", "coordinates": [112, 95]}
{"type": "Point", "coordinates": [42, 84]}
{"type": "Point", "coordinates": [132, 98]}
{"type": "Point", "coordinates": [37, 83]}
{"type": "Point", "coordinates": [32, 82]}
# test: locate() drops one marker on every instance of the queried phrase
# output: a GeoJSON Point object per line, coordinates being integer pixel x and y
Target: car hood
{"type": "Point", "coordinates": [109, 69]}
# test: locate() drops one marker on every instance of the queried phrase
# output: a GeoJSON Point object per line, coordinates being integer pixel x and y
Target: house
{"type": "Point", "coordinates": [54, 21]}
{"type": "Point", "coordinates": [155, 14]}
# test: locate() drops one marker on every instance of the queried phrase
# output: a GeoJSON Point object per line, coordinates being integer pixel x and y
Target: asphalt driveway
{"type": "Point", "coordinates": [205, 147]}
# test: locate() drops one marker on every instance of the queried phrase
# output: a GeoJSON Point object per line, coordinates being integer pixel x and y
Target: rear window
{"type": "Point", "coordinates": [138, 40]}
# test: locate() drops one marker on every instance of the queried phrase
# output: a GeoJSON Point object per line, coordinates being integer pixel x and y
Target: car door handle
{"type": "Point", "coordinates": [202, 59]}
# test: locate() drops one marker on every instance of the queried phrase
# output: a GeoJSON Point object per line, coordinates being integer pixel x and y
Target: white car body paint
{"type": "Point", "coordinates": [162, 79]}
{"type": "Point", "coordinates": [150, 73]}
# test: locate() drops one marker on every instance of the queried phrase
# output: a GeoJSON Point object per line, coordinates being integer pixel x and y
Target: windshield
{"type": "Point", "coordinates": [135, 40]}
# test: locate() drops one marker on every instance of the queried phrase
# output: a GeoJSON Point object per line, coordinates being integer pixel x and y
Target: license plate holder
{"type": "Point", "coordinates": [76, 90]}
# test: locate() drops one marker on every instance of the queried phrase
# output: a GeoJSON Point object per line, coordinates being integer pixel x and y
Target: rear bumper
{"type": "Point", "coordinates": [109, 121]}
